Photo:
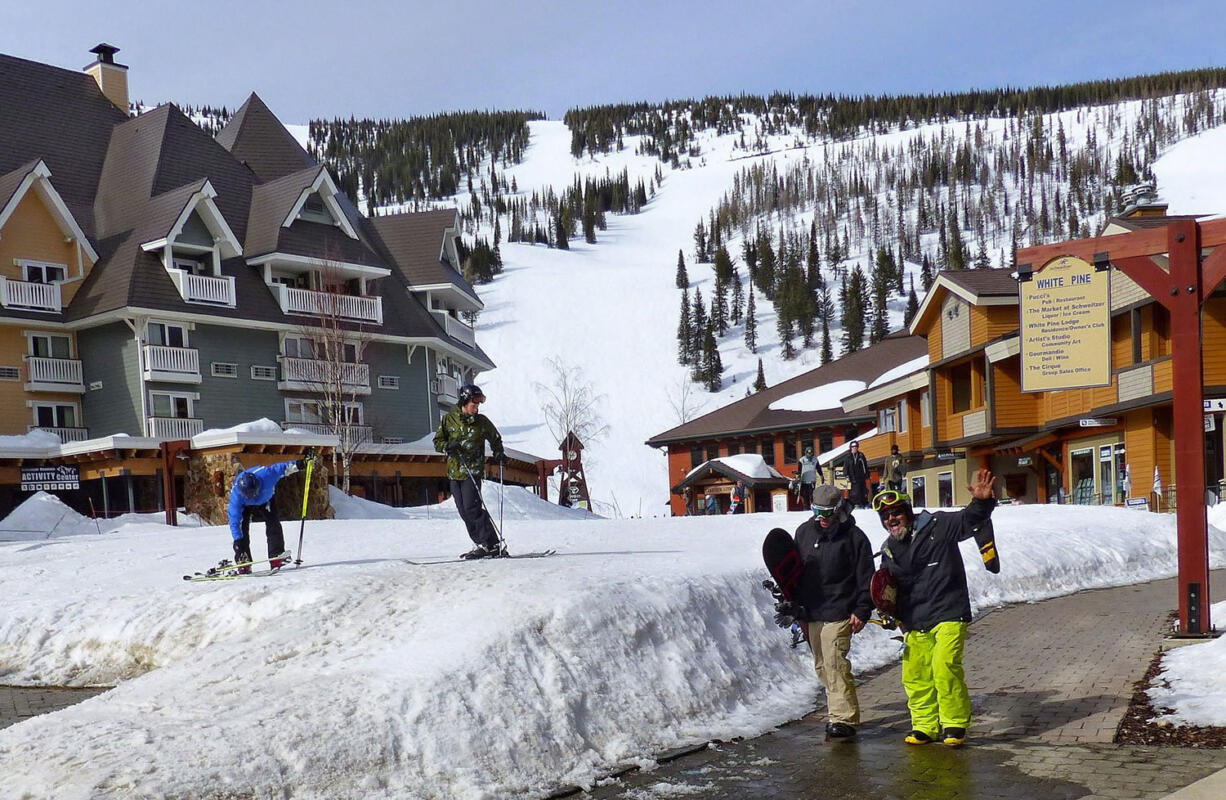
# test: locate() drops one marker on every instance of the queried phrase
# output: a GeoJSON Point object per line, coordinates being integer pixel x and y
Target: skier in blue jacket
{"type": "Point", "coordinates": [251, 496]}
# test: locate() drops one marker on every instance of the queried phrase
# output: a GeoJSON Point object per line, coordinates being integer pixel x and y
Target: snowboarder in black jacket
{"type": "Point", "coordinates": [834, 592]}
{"type": "Point", "coordinates": [857, 475]}
{"type": "Point", "coordinates": [934, 605]}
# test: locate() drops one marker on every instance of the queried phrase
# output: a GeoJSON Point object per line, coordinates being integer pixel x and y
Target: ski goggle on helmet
{"type": "Point", "coordinates": [887, 499]}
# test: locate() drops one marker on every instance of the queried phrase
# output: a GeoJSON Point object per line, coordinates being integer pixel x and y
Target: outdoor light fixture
{"type": "Point", "coordinates": [1024, 272]}
{"type": "Point", "coordinates": [1102, 262]}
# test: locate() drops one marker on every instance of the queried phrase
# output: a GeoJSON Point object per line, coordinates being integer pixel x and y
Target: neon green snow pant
{"type": "Point", "coordinates": [933, 677]}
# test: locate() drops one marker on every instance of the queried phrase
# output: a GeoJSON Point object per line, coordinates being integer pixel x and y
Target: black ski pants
{"type": "Point", "coordinates": [272, 529]}
{"type": "Point", "coordinates": [467, 496]}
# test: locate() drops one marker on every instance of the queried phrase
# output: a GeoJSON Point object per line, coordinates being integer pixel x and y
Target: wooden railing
{"type": "Point", "coordinates": [30, 296]}
{"type": "Point", "coordinates": [60, 373]}
{"type": "Point", "coordinates": [329, 304]}
{"type": "Point", "coordinates": [204, 288]}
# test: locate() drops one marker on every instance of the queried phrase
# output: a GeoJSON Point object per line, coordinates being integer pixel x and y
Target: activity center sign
{"type": "Point", "coordinates": [1065, 326]}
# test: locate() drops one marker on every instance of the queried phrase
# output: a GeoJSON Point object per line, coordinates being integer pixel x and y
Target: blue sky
{"type": "Point", "coordinates": [379, 58]}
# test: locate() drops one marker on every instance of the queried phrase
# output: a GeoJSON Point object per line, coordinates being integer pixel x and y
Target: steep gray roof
{"type": "Point", "coordinates": [415, 241]}
{"type": "Point", "coordinates": [37, 100]}
{"type": "Point", "coordinates": [753, 414]}
{"type": "Point", "coordinates": [255, 136]}
{"type": "Point", "coordinates": [983, 282]}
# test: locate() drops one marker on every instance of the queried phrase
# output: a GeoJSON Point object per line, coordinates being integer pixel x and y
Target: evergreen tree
{"type": "Point", "coordinates": [561, 235]}
{"type": "Point", "coordinates": [719, 308]}
{"type": "Point", "coordinates": [683, 278]}
{"type": "Point", "coordinates": [736, 312]}
{"type": "Point", "coordinates": [723, 266]}
{"type": "Point", "coordinates": [957, 250]}
{"type": "Point", "coordinates": [760, 382]}
{"type": "Point", "coordinates": [685, 331]}
{"type": "Point", "coordinates": [712, 367]}
{"type": "Point", "coordinates": [912, 305]}
{"type": "Point", "coordinates": [881, 281]}
{"type": "Point", "coordinates": [700, 243]}
{"type": "Point", "coordinates": [854, 309]}
{"type": "Point", "coordinates": [751, 324]}
{"type": "Point", "coordinates": [827, 348]}
{"type": "Point", "coordinates": [698, 323]}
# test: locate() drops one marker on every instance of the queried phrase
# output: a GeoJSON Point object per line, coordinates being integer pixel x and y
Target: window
{"type": "Point", "coordinates": [806, 444]}
{"type": "Point", "coordinates": [902, 415]}
{"type": "Point", "coordinates": [1121, 473]}
{"type": "Point", "coordinates": [302, 411]}
{"type": "Point", "coordinates": [945, 489]}
{"type": "Point", "coordinates": [298, 347]}
{"type": "Point", "coordinates": [825, 441]}
{"type": "Point", "coordinates": [768, 450]}
{"type": "Point", "coordinates": [734, 448]}
{"type": "Point", "coordinates": [887, 420]}
{"type": "Point", "coordinates": [960, 387]}
{"type": "Point", "coordinates": [1135, 317]}
{"type": "Point", "coordinates": [55, 415]}
{"type": "Point", "coordinates": [294, 280]}
{"type": "Point", "coordinates": [40, 272]}
{"type": "Point", "coordinates": [223, 369]}
{"type": "Point", "coordinates": [925, 410]}
{"type": "Point", "coordinates": [48, 345]}
{"type": "Point", "coordinates": [314, 210]}
{"type": "Point", "coordinates": [918, 492]}
{"type": "Point", "coordinates": [166, 334]}
{"type": "Point", "coordinates": [389, 381]}
{"type": "Point", "coordinates": [166, 404]}
{"type": "Point", "coordinates": [789, 450]}
{"type": "Point", "coordinates": [712, 451]}
{"type": "Point", "coordinates": [750, 446]}
{"type": "Point", "coordinates": [695, 456]}
{"type": "Point", "coordinates": [1081, 476]}
{"type": "Point", "coordinates": [191, 266]}
{"type": "Point", "coordinates": [262, 373]}
{"type": "Point", "coordinates": [1106, 464]}
{"type": "Point", "coordinates": [1162, 331]}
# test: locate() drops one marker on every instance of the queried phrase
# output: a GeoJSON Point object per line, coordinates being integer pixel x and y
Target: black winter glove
{"type": "Point", "coordinates": [453, 449]}
{"type": "Point", "coordinates": [787, 612]}
{"type": "Point", "coordinates": [301, 464]}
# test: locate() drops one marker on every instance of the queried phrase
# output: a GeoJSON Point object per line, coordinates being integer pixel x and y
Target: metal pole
{"type": "Point", "coordinates": [306, 494]}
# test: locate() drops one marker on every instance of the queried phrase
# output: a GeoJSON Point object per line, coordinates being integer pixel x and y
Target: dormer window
{"type": "Point", "coordinates": [40, 272]}
{"type": "Point", "coordinates": [192, 266]}
{"type": "Point", "coordinates": [193, 248]}
{"type": "Point", "coordinates": [314, 210]}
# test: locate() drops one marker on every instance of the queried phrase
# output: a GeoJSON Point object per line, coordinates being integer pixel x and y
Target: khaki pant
{"type": "Point", "coordinates": [830, 642]}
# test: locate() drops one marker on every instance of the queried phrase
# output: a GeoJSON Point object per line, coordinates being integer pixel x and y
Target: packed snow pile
{"type": "Point", "coordinates": [45, 516]}
{"type": "Point", "coordinates": [360, 675]}
{"type": "Point", "coordinates": [510, 502]}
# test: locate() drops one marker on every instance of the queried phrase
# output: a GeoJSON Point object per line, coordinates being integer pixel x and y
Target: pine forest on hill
{"type": "Point", "coordinates": [948, 181]}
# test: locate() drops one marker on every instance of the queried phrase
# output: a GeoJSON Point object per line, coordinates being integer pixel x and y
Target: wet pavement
{"type": "Point", "coordinates": [22, 702]}
{"type": "Point", "coordinates": [1050, 682]}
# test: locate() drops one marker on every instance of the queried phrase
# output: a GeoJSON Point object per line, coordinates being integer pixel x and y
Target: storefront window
{"type": "Point", "coordinates": [945, 489]}
{"type": "Point", "coordinates": [918, 497]}
{"type": "Point", "coordinates": [1121, 474]}
{"type": "Point", "coordinates": [1081, 479]}
{"type": "Point", "coordinates": [1106, 465]}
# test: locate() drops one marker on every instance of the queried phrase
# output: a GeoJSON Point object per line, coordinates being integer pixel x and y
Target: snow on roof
{"type": "Point", "coordinates": [830, 455]}
{"type": "Point", "coordinates": [260, 431]}
{"type": "Point", "coordinates": [35, 440]}
{"type": "Point", "coordinates": [751, 465]}
{"type": "Point", "coordinates": [914, 365]}
{"type": "Point", "coordinates": [819, 398]}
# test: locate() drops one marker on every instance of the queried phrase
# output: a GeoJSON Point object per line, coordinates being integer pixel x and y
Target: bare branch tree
{"type": "Point", "coordinates": [570, 403]}
{"type": "Point", "coordinates": [684, 401]}
{"type": "Point", "coordinates": [336, 374]}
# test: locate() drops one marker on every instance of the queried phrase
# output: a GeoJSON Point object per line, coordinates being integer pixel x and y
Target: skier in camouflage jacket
{"type": "Point", "coordinates": [462, 436]}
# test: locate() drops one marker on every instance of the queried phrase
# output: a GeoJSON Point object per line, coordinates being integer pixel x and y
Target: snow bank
{"type": "Point", "coordinates": [361, 675]}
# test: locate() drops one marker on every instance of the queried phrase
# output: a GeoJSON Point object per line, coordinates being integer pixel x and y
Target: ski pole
{"type": "Point", "coordinates": [501, 542]}
{"type": "Point", "coordinates": [501, 488]}
{"type": "Point", "coordinates": [306, 494]}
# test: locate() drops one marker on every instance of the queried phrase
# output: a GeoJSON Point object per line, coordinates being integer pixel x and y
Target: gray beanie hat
{"type": "Point", "coordinates": [827, 496]}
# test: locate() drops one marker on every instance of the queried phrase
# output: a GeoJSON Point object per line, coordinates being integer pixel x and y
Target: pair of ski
{"type": "Point", "coordinates": [228, 571]}
{"type": "Point", "coordinates": [427, 562]}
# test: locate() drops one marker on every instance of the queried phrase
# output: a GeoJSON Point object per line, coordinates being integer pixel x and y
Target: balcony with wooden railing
{"type": "Point", "coordinates": [328, 304]}
{"type": "Point", "coordinates": [28, 296]}
{"type": "Point", "coordinates": [170, 364]}
{"type": "Point", "coordinates": [317, 375]}
{"type": "Point", "coordinates": [360, 433]}
{"type": "Point", "coordinates": [447, 388]}
{"type": "Point", "coordinates": [211, 289]}
{"type": "Point", "coordinates": [174, 427]}
{"type": "Point", "coordinates": [459, 330]}
{"type": "Point", "coordinates": [65, 434]}
{"type": "Point", "coordinates": [54, 375]}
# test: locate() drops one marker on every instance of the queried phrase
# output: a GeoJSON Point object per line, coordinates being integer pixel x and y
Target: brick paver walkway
{"type": "Point", "coordinates": [1050, 682]}
{"type": "Point", "coordinates": [22, 702]}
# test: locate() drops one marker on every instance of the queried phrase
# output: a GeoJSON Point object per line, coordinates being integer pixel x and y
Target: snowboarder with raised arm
{"type": "Point", "coordinates": [833, 591]}
{"type": "Point", "coordinates": [933, 606]}
{"type": "Point", "coordinates": [251, 497]}
{"type": "Point", "coordinates": [462, 436]}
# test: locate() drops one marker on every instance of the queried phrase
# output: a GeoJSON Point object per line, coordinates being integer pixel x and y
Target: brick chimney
{"type": "Point", "coordinates": [112, 78]}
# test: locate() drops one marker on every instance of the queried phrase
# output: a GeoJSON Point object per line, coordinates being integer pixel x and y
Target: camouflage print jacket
{"type": "Point", "coordinates": [465, 436]}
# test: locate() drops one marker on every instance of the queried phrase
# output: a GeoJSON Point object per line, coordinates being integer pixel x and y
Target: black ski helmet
{"type": "Point", "coordinates": [248, 485]}
{"type": "Point", "coordinates": [469, 392]}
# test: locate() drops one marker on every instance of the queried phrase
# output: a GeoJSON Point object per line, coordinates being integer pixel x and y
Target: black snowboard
{"type": "Point", "coordinates": [783, 563]}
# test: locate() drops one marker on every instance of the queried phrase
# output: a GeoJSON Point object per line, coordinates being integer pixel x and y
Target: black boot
{"type": "Point", "coordinates": [242, 556]}
{"type": "Point", "coordinates": [477, 552]}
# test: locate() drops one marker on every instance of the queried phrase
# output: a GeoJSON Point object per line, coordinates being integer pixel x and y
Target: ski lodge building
{"type": "Point", "coordinates": [158, 282]}
{"type": "Point", "coordinates": [961, 407]}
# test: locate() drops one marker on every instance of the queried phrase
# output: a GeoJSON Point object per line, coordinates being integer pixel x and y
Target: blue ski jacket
{"type": "Point", "coordinates": [268, 477]}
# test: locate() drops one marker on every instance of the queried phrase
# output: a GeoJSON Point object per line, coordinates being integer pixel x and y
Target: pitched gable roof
{"type": "Point", "coordinates": [256, 137]}
{"type": "Point", "coordinates": [59, 95]}
{"type": "Point", "coordinates": [415, 242]}
{"type": "Point", "coordinates": [979, 287]}
{"type": "Point", "coordinates": [754, 415]}
{"type": "Point", "coordinates": [35, 175]}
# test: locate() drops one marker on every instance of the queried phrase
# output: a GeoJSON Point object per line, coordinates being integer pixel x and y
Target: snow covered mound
{"type": "Point", "coordinates": [516, 502]}
{"type": "Point", "coordinates": [360, 675]}
{"type": "Point", "coordinates": [43, 515]}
